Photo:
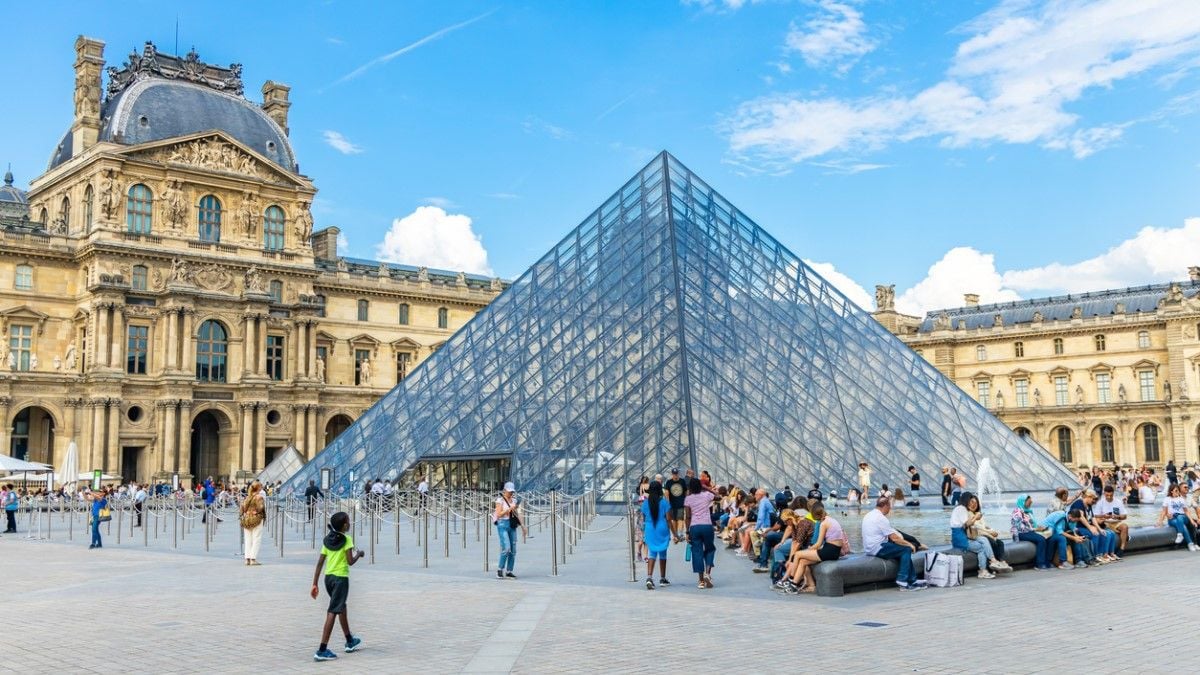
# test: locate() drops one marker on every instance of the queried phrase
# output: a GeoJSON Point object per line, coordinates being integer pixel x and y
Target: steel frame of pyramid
{"type": "Point", "coordinates": [669, 330]}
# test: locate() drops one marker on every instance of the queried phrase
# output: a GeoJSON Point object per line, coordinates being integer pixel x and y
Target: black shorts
{"type": "Point", "coordinates": [338, 589]}
{"type": "Point", "coordinates": [679, 513]}
{"type": "Point", "coordinates": [829, 552]}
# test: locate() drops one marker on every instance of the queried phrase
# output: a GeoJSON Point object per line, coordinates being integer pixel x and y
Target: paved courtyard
{"type": "Point", "coordinates": [141, 608]}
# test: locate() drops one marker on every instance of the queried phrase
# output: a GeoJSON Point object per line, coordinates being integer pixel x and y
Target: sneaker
{"type": "Point", "coordinates": [664, 582]}
{"type": "Point", "coordinates": [1094, 563]}
{"type": "Point", "coordinates": [499, 574]}
{"type": "Point", "coordinates": [984, 574]}
{"type": "Point", "coordinates": [353, 644]}
{"type": "Point", "coordinates": [910, 587]}
{"type": "Point", "coordinates": [324, 655]}
{"type": "Point", "coordinates": [510, 575]}
{"type": "Point", "coordinates": [998, 566]}
{"type": "Point", "coordinates": [1179, 538]}
{"type": "Point", "coordinates": [649, 584]}
{"type": "Point", "coordinates": [902, 584]}
{"type": "Point", "coordinates": [920, 582]}
{"type": "Point", "coordinates": [779, 585]}
{"type": "Point", "coordinates": [1081, 565]}
{"type": "Point", "coordinates": [762, 569]}
{"type": "Point", "coordinates": [1066, 566]}
{"type": "Point", "coordinates": [791, 589]}
{"type": "Point", "coordinates": [1193, 547]}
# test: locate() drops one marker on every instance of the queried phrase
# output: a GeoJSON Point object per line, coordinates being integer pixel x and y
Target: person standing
{"type": "Point", "coordinates": [947, 486]}
{"type": "Point", "coordinates": [696, 507]}
{"type": "Point", "coordinates": [99, 501]}
{"type": "Point", "coordinates": [507, 517]}
{"type": "Point", "coordinates": [864, 481]}
{"type": "Point", "coordinates": [957, 482]}
{"type": "Point", "coordinates": [311, 494]}
{"type": "Point", "coordinates": [422, 494]}
{"type": "Point", "coordinates": [1172, 472]}
{"type": "Point", "coordinates": [337, 555]}
{"type": "Point", "coordinates": [914, 487]}
{"type": "Point", "coordinates": [209, 493]}
{"type": "Point", "coordinates": [253, 513]}
{"type": "Point", "coordinates": [11, 503]}
{"type": "Point", "coordinates": [656, 534]}
{"type": "Point", "coordinates": [881, 540]}
{"type": "Point", "coordinates": [139, 503]}
{"type": "Point", "coordinates": [676, 491]}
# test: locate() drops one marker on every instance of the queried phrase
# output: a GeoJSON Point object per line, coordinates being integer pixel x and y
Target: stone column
{"type": "Point", "coordinates": [260, 340]}
{"type": "Point", "coordinates": [300, 429]}
{"type": "Point", "coordinates": [103, 351]}
{"type": "Point", "coordinates": [170, 436]}
{"type": "Point", "coordinates": [260, 437]}
{"type": "Point", "coordinates": [99, 437]}
{"type": "Point", "coordinates": [311, 359]}
{"type": "Point", "coordinates": [119, 337]}
{"type": "Point", "coordinates": [314, 445]}
{"type": "Point", "coordinates": [113, 452]}
{"type": "Point", "coordinates": [185, 431]}
{"type": "Point", "coordinates": [247, 436]}
{"type": "Point", "coordinates": [247, 345]}
{"type": "Point", "coordinates": [171, 342]}
{"type": "Point", "coordinates": [5, 427]}
{"type": "Point", "coordinates": [188, 347]}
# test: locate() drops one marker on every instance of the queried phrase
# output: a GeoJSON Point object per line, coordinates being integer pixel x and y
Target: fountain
{"type": "Point", "coordinates": [988, 484]}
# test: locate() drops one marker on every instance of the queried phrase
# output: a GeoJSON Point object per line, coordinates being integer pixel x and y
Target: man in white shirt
{"type": "Point", "coordinates": [1109, 513]}
{"type": "Point", "coordinates": [139, 503]}
{"type": "Point", "coordinates": [423, 492]}
{"type": "Point", "coordinates": [882, 540]}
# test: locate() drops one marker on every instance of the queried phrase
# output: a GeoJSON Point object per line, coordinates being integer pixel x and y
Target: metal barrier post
{"type": "Point", "coordinates": [554, 532]}
{"type": "Point", "coordinates": [175, 524]}
{"type": "Point", "coordinates": [632, 553]}
{"type": "Point", "coordinates": [446, 525]}
{"type": "Point", "coordinates": [425, 538]}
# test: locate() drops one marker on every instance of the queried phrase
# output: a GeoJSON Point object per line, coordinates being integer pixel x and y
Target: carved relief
{"type": "Point", "coordinates": [885, 297]}
{"type": "Point", "coordinates": [253, 281]}
{"type": "Point", "coordinates": [247, 215]}
{"type": "Point", "coordinates": [213, 277]}
{"type": "Point", "coordinates": [110, 199]}
{"type": "Point", "coordinates": [87, 93]}
{"type": "Point", "coordinates": [174, 208]}
{"type": "Point", "coordinates": [214, 154]}
{"type": "Point", "coordinates": [181, 273]}
{"type": "Point", "coordinates": [304, 223]}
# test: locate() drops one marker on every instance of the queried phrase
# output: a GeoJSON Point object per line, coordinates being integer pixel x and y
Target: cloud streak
{"type": "Point", "coordinates": [337, 141]}
{"type": "Point", "coordinates": [432, 37]}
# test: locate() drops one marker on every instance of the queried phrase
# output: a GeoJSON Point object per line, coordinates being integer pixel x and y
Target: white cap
{"type": "Point", "coordinates": [509, 487]}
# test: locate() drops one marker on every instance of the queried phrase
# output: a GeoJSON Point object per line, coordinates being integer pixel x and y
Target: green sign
{"type": "Point", "coordinates": [96, 474]}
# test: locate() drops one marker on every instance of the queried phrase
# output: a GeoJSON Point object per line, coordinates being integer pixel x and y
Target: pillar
{"type": "Point", "coordinates": [5, 426]}
{"type": "Point", "coordinates": [99, 439]}
{"type": "Point", "coordinates": [260, 437]}
{"type": "Point", "coordinates": [260, 341]}
{"type": "Point", "coordinates": [113, 451]}
{"type": "Point", "coordinates": [85, 436]}
{"type": "Point", "coordinates": [313, 445]}
{"type": "Point", "coordinates": [247, 437]}
{"type": "Point", "coordinates": [300, 425]}
{"type": "Point", "coordinates": [188, 345]}
{"type": "Point", "coordinates": [103, 351]}
{"type": "Point", "coordinates": [312, 352]}
{"type": "Point", "coordinates": [170, 436]}
{"type": "Point", "coordinates": [184, 426]}
{"type": "Point", "coordinates": [171, 343]}
{"type": "Point", "coordinates": [247, 345]}
{"type": "Point", "coordinates": [119, 338]}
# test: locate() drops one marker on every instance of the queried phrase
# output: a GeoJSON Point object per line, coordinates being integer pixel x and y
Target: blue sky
{"type": "Point", "coordinates": [1012, 149]}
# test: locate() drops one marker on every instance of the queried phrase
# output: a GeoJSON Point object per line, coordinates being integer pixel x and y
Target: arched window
{"type": "Point", "coordinates": [364, 310]}
{"type": "Point", "coordinates": [1058, 346]}
{"type": "Point", "coordinates": [212, 348]}
{"type": "Point", "coordinates": [1018, 349]}
{"type": "Point", "coordinates": [45, 219]}
{"type": "Point", "coordinates": [1063, 436]}
{"type": "Point", "coordinates": [404, 314]}
{"type": "Point", "coordinates": [273, 223]}
{"type": "Point", "coordinates": [209, 218]}
{"type": "Point", "coordinates": [64, 212]}
{"type": "Point", "coordinates": [138, 280]}
{"type": "Point", "coordinates": [1022, 432]}
{"type": "Point", "coordinates": [139, 209]}
{"type": "Point", "coordinates": [1143, 339]}
{"type": "Point", "coordinates": [980, 353]}
{"type": "Point", "coordinates": [443, 317]}
{"type": "Point", "coordinates": [24, 278]}
{"type": "Point", "coordinates": [1108, 451]}
{"type": "Point", "coordinates": [1099, 343]}
{"type": "Point", "coordinates": [276, 290]}
{"type": "Point", "coordinates": [89, 205]}
{"type": "Point", "coordinates": [1150, 442]}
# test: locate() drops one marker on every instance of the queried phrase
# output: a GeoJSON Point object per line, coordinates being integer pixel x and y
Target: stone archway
{"type": "Point", "coordinates": [32, 435]}
{"type": "Point", "coordinates": [206, 449]}
{"type": "Point", "coordinates": [335, 426]}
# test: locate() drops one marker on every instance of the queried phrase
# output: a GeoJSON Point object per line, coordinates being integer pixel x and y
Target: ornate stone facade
{"type": "Point", "coordinates": [184, 317]}
{"type": "Point", "coordinates": [1096, 378]}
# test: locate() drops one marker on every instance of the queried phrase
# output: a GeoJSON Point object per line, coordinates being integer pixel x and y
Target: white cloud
{"type": "Point", "coordinates": [836, 36]}
{"type": "Point", "coordinates": [433, 238]}
{"type": "Point", "coordinates": [343, 243]}
{"type": "Point", "coordinates": [724, 5]}
{"type": "Point", "coordinates": [441, 202]}
{"type": "Point", "coordinates": [1010, 81]}
{"type": "Point", "coordinates": [849, 287]}
{"type": "Point", "coordinates": [340, 143]}
{"type": "Point", "coordinates": [961, 270]}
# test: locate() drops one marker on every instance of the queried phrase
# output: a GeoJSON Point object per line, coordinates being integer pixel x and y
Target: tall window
{"type": "Point", "coordinates": [1150, 442]}
{"type": "Point", "coordinates": [983, 391]}
{"type": "Point", "coordinates": [273, 228]}
{"type": "Point", "coordinates": [1018, 349]}
{"type": "Point", "coordinates": [402, 365]}
{"type": "Point", "coordinates": [364, 310]}
{"type": "Point", "coordinates": [89, 207]}
{"type": "Point", "coordinates": [139, 209]}
{"type": "Point", "coordinates": [275, 357]}
{"type": "Point", "coordinates": [135, 359]}
{"type": "Point", "coordinates": [1107, 446]}
{"type": "Point", "coordinates": [209, 218]}
{"type": "Point", "coordinates": [1146, 384]}
{"type": "Point", "coordinates": [20, 345]}
{"type": "Point", "coordinates": [443, 317]}
{"type": "Point", "coordinates": [360, 355]}
{"type": "Point", "coordinates": [64, 212]}
{"type": "Point", "coordinates": [1022, 432]}
{"type": "Point", "coordinates": [404, 314]}
{"type": "Point", "coordinates": [1103, 388]}
{"type": "Point", "coordinates": [212, 349]}
{"type": "Point", "coordinates": [1099, 343]}
{"type": "Point", "coordinates": [24, 278]}
{"type": "Point", "coordinates": [1021, 387]}
{"type": "Point", "coordinates": [138, 278]}
{"type": "Point", "coordinates": [1058, 346]}
{"type": "Point", "coordinates": [980, 353]}
{"type": "Point", "coordinates": [1064, 445]}
{"type": "Point", "coordinates": [1143, 339]}
{"type": "Point", "coordinates": [1060, 390]}
{"type": "Point", "coordinates": [276, 290]}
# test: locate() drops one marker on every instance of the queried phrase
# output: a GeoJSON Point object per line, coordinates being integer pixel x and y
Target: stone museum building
{"type": "Point", "coordinates": [166, 301]}
{"type": "Point", "coordinates": [1096, 378]}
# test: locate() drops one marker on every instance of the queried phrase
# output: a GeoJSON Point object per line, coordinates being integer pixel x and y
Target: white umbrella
{"type": "Point", "coordinates": [70, 467]}
{"type": "Point", "coordinates": [8, 463]}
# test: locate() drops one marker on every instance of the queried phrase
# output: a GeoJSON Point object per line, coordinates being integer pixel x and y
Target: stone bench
{"type": "Point", "coordinates": [860, 572]}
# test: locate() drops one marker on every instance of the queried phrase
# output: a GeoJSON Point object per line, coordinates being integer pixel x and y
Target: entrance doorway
{"type": "Point", "coordinates": [206, 446]}
{"type": "Point", "coordinates": [33, 435]}
{"type": "Point", "coordinates": [129, 464]}
{"type": "Point", "coordinates": [489, 473]}
{"type": "Point", "coordinates": [337, 424]}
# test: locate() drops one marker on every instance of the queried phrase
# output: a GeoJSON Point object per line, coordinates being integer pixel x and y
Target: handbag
{"type": "Point", "coordinates": [104, 515]}
{"type": "Point", "coordinates": [943, 570]}
{"type": "Point", "coordinates": [251, 517]}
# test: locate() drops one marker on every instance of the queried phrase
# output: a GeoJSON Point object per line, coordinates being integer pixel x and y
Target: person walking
{"type": "Point", "coordinates": [100, 514]}
{"type": "Point", "coordinates": [700, 531]}
{"type": "Point", "coordinates": [311, 494]}
{"type": "Point", "coordinates": [914, 487]}
{"type": "Point", "coordinates": [209, 493]}
{"type": "Point", "coordinates": [253, 513]}
{"type": "Point", "coordinates": [864, 481]}
{"type": "Point", "coordinates": [656, 534]}
{"type": "Point", "coordinates": [507, 518]}
{"type": "Point", "coordinates": [676, 493]}
{"type": "Point", "coordinates": [11, 503]}
{"type": "Point", "coordinates": [947, 486]}
{"type": "Point", "coordinates": [337, 555]}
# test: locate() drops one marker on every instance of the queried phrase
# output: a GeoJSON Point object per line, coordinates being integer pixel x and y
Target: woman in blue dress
{"type": "Point", "coordinates": [656, 535]}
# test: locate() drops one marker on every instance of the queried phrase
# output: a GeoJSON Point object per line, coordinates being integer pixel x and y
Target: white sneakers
{"type": "Point", "coordinates": [984, 574]}
{"type": "Point", "coordinates": [1193, 547]}
{"type": "Point", "coordinates": [1178, 537]}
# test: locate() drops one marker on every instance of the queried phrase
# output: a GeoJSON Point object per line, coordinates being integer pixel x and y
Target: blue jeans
{"type": "Point", "coordinates": [1082, 550]}
{"type": "Point", "coordinates": [1180, 523]}
{"type": "Point", "coordinates": [894, 551]}
{"type": "Point", "coordinates": [96, 532]}
{"type": "Point", "coordinates": [1103, 543]}
{"type": "Point", "coordinates": [770, 541]}
{"type": "Point", "coordinates": [704, 551]}
{"type": "Point", "coordinates": [508, 545]}
{"type": "Point", "coordinates": [780, 556]}
{"type": "Point", "coordinates": [1042, 557]}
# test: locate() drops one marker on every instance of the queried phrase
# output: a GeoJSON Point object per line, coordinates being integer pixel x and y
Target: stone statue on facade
{"type": "Point", "coordinates": [461, 279]}
{"type": "Point", "coordinates": [57, 362]}
{"type": "Point", "coordinates": [1037, 398]}
{"type": "Point", "coordinates": [1000, 400]}
{"type": "Point", "coordinates": [174, 208]}
{"type": "Point", "coordinates": [253, 280]}
{"type": "Point", "coordinates": [941, 321]}
{"type": "Point", "coordinates": [69, 357]}
{"type": "Point", "coordinates": [1183, 391]}
{"type": "Point", "coordinates": [304, 223]}
{"type": "Point", "coordinates": [1121, 393]}
{"type": "Point", "coordinates": [110, 200]}
{"type": "Point", "coordinates": [364, 371]}
{"type": "Point", "coordinates": [1077, 313]}
{"type": "Point", "coordinates": [33, 362]}
{"type": "Point", "coordinates": [496, 285]}
{"type": "Point", "coordinates": [1038, 317]}
{"type": "Point", "coordinates": [1174, 294]}
{"type": "Point", "coordinates": [1167, 391]}
{"type": "Point", "coordinates": [885, 297]}
{"type": "Point", "coordinates": [1079, 394]}
{"type": "Point", "coordinates": [1119, 309]}
{"type": "Point", "coordinates": [181, 272]}
{"type": "Point", "coordinates": [998, 320]}
{"type": "Point", "coordinates": [248, 214]}
{"type": "Point", "coordinates": [423, 274]}
{"type": "Point", "coordinates": [319, 366]}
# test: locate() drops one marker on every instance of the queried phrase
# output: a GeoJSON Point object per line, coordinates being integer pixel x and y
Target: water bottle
{"type": "Point", "coordinates": [687, 552]}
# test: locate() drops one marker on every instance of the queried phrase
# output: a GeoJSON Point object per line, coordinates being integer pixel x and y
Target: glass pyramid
{"type": "Point", "coordinates": [670, 330]}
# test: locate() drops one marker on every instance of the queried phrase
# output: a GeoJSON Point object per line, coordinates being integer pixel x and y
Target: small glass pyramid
{"type": "Point", "coordinates": [668, 330]}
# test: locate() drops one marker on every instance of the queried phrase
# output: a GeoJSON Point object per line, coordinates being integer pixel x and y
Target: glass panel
{"type": "Point", "coordinates": [139, 209]}
{"type": "Point", "coordinates": [209, 219]}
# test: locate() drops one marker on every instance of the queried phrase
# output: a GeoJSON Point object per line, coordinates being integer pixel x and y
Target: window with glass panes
{"type": "Point", "coordinates": [1150, 442]}
{"type": "Point", "coordinates": [139, 209]}
{"type": "Point", "coordinates": [135, 350]}
{"type": "Point", "coordinates": [1107, 445]}
{"type": "Point", "coordinates": [24, 278]}
{"type": "Point", "coordinates": [980, 353]}
{"type": "Point", "coordinates": [1103, 388]}
{"type": "Point", "coordinates": [983, 391]}
{"type": "Point", "coordinates": [275, 357]}
{"type": "Point", "coordinates": [273, 224]}
{"type": "Point", "coordinates": [364, 310]}
{"type": "Point", "coordinates": [1018, 349]}
{"type": "Point", "coordinates": [1146, 384]}
{"type": "Point", "coordinates": [208, 218]}
{"type": "Point", "coordinates": [1099, 343]}
{"type": "Point", "coordinates": [20, 346]}
{"type": "Point", "coordinates": [1143, 339]}
{"type": "Point", "coordinates": [138, 278]}
{"type": "Point", "coordinates": [89, 206]}
{"type": "Point", "coordinates": [404, 314]}
{"type": "Point", "coordinates": [443, 318]}
{"type": "Point", "coordinates": [1064, 445]}
{"type": "Point", "coordinates": [403, 360]}
{"type": "Point", "coordinates": [275, 288]}
{"type": "Point", "coordinates": [1060, 390]}
{"type": "Point", "coordinates": [212, 349]}
{"type": "Point", "coordinates": [1021, 389]}
{"type": "Point", "coordinates": [360, 355]}
{"type": "Point", "coordinates": [1058, 346]}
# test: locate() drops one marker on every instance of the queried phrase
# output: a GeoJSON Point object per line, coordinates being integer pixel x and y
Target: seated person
{"type": "Point", "coordinates": [1174, 513]}
{"type": "Point", "coordinates": [1145, 493]}
{"type": "Point", "coordinates": [1104, 543]}
{"type": "Point", "coordinates": [815, 493]}
{"type": "Point", "coordinates": [1059, 502]}
{"type": "Point", "coordinates": [829, 545]}
{"type": "Point", "coordinates": [1131, 494]}
{"type": "Point", "coordinates": [1062, 523]}
{"type": "Point", "coordinates": [963, 519]}
{"type": "Point", "coordinates": [1110, 514]}
{"type": "Point", "coordinates": [881, 540]}
{"type": "Point", "coordinates": [1024, 528]}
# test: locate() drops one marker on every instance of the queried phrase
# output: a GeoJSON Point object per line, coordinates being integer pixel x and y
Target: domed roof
{"type": "Point", "coordinates": [10, 193]}
{"type": "Point", "coordinates": [157, 96]}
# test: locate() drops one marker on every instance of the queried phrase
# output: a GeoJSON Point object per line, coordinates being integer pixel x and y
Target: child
{"type": "Point", "coordinates": [337, 555]}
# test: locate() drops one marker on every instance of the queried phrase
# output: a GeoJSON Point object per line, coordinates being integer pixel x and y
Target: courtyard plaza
{"type": "Point", "coordinates": [154, 606]}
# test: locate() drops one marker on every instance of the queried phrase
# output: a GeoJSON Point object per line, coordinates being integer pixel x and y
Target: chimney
{"type": "Point", "coordinates": [275, 102]}
{"type": "Point", "coordinates": [89, 61]}
{"type": "Point", "coordinates": [971, 299]}
{"type": "Point", "coordinates": [324, 243]}
{"type": "Point", "coordinates": [1194, 273]}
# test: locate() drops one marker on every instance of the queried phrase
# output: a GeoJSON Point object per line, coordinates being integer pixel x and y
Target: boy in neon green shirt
{"type": "Point", "coordinates": [337, 555]}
